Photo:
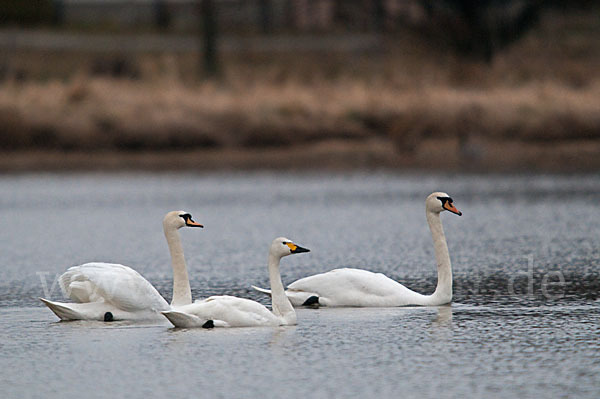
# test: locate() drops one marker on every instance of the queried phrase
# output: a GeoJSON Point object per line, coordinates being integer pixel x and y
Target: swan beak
{"type": "Point", "coordinates": [296, 249]}
{"type": "Point", "coordinates": [190, 223]}
{"type": "Point", "coordinates": [450, 207]}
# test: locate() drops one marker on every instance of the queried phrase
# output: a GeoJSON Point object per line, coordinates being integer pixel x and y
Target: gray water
{"type": "Point", "coordinates": [525, 320]}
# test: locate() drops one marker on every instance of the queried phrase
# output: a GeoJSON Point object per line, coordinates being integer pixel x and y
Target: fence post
{"type": "Point", "coordinates": [161, 14]}
{"type": "Point", "coordinates": [266, 16]}
{"type": "Point", "coordinates": [58, 12]}
{"type": "Point", "coordinates": [208, 10]}
{"type": "Point", "coordinates": [379, 15]}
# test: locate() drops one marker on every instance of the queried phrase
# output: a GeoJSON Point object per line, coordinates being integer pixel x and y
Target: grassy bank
{"type": "Point", "coordinates": [537, 106]}
{"type": "Point", "coordinates": [533, 126]}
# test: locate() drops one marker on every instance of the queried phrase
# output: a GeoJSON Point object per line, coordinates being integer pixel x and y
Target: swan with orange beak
{"type": "Point", "coordinates": [361, 288]}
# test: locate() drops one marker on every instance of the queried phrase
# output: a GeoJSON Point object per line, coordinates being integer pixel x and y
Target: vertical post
{"type": "Point", "coordinates": [379, 15]}
{"type": "Point", "coordinates": [266, 16]}
{"type": "Point", "coordinates": [161, 14]}
{"type": "Point", "coordinates": [58, 12]}
{"type": "Point", "coordinates": [289, 15]}
{"type": "Point", "coordinates": [208, 10]}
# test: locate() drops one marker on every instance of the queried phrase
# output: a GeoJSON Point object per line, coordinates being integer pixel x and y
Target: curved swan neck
{"type": "Point", "coordinates": [443, 291]}
{"type": "Point", "coordinates": [280, 302]}
{"type": "Point", "coordinates": [182, 293]}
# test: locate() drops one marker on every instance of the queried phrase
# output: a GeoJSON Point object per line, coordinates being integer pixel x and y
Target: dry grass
{"type": "Point", "coordinates": [113, 114]}
{"type": "Point", "coordinates": [540, 96]}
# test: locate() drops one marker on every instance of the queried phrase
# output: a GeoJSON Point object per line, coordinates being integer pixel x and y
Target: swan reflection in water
{"type": "Point", "coordinates": [443, 317]}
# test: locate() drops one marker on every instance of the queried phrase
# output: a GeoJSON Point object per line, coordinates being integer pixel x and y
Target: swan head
{"type": "Point", "coordinates": [179, 219]}
{"type": "Point", "coordinates": [438, 202]}
{"type": "Point", "coordinates": [282, 246]}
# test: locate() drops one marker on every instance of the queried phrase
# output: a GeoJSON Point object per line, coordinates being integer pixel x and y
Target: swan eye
{"type": "Point", "coordinates": [445, 199]}
{"type": "Point", "coordinates": [284, 243]}
{"type": "Point", "coordinates": [186, 216]}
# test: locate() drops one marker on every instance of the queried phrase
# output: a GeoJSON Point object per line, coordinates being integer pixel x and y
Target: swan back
{"type": "Point", "coordinates": [111, 283]}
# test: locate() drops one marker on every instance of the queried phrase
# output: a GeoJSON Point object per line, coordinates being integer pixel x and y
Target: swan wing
{"type": "Point", "coordinates": [185, 320]}
{"type": "Point", "coordinates": [296, 297]}
{"type": "Point", "coordinates": [353, 287]}
{"type": "Point", "coordinates": [112, 283]}
{"type": "Point", "coordinates": [262, 290]}
{"type": "Point", "coordinates": [231, 311]}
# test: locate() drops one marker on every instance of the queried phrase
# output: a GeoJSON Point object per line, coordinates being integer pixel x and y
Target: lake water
{"type": "Point", "coordinates": [525, 321]}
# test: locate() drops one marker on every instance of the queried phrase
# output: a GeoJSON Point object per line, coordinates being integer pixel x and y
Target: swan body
{"type": "Point", "coordinates": [98, 288]}
{"type": "Point", "coordinates": [108, 291]}
{"type": "Point", "coordinates": [225, 311]}
{"type": "Point", "coordinates": [230, 311]}
{"type": "Point", "coordinates": [361, 288]}
{"type": "Point", "coordinates": [354, 288]}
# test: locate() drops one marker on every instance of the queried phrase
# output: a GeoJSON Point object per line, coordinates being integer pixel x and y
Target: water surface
{"type": "Point", "coordinates": [524, 323]}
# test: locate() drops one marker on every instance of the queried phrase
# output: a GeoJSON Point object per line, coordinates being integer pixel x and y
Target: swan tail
{"type": "Point", "coordinates": [186, 320]}
{"type": "Point", "coordinates": [84, 311]}
{"type": "Point", "coordinates": [302, 298]}
{"type": "Point", "coordinates": [63, 310]}
{"type": "Point", "coordinates": [263, 290]}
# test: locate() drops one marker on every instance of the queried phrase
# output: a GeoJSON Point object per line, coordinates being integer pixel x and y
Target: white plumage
{"type": "Point", "coordinates": [362, 288]}
{"type": "Point", "coordinates": [109, 291]}
{"type": "Point", "coordinates": [225, 311]}
{"type": "Point", "coordinates": [97, 288]}
{"type": "Point", "coordinates": [230, 311]}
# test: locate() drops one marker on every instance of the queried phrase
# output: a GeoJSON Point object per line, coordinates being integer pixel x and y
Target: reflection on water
{"type": "Point", "coordinates": [443, 317]}
{"type": "Point", "coordinates": [457, 351]}
{"type": "Point", "coordinates": [524, 322]}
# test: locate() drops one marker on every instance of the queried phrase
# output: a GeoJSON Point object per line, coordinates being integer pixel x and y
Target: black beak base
{"type": "Point", "coordinates": [300, 249]}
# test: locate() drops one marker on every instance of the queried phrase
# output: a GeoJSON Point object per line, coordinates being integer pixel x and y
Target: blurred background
{"type": "Point", "coordinates": [468, 85]}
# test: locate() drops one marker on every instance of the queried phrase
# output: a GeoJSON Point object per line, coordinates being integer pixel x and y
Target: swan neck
{"type": "Point", "coordinates": [443, 291]}
{"type": "Point", "coordinates": [281, 304]}
{"type": "Point", "coordinates": [182, 293]}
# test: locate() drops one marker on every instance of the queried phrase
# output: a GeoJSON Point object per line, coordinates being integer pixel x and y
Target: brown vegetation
{"type": "Point", "coordinates": [468, 125]}
{"type": "Point", "coordinates": [537, 105]}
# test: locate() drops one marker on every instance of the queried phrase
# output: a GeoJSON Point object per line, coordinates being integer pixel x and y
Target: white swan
{"type": "Point", "coordinates": [107, 291]}
{"type": "Point", "coordinates": [230, 311]}
{"type": "Point", "coordinates": [361, 288]}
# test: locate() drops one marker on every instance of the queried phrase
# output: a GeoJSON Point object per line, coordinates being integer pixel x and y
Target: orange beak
{"type": "Point", "coordinates": [450, 207]}
{"type": "Point", "coordinates": [191, 223]}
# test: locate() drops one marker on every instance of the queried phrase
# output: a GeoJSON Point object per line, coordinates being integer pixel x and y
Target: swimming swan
{"type": "Point", "coordinates": [361, 288]}
{"type": "Point", "coordinates": [230, 311]}
{"type": "Point", "coordinates": [107, 291]}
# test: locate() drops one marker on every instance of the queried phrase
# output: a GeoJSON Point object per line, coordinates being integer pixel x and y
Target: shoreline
{"type": "Point", "coordinates": [335, 155]}
{"type": "Point", "coordinates": [321, 156]}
